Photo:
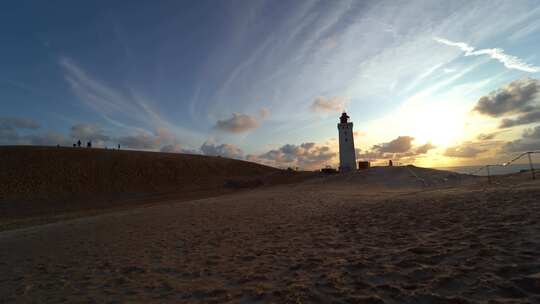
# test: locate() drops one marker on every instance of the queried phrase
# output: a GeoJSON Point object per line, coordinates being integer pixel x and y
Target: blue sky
{"type": "Point", "coordinates": [257, 79]}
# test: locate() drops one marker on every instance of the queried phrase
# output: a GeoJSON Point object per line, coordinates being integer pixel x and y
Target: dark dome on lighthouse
{"type": "Point", "coordinates": [344, 118]}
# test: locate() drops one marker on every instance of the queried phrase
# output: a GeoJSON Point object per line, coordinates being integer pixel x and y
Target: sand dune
{"type": "Point", "coordinates": [402, 177]}
{"type": "Point", "coordinates": [55, 173]}
{"type": "Point", "coordinates": [310, 242]}
{"type": "Point", "coordinates": [44, 184]}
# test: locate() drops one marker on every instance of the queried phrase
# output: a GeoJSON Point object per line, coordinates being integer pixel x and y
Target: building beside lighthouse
{"type": "Point", "coordinates": [347, 154]}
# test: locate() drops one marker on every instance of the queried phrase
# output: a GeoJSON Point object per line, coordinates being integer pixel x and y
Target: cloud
{"type": "Point", "coordinates": [464, 150]}
{"type": "Point", "coordinates": [521, 145]}
{"type": "Point", "coordinates": [519, 96]}
{"type": "Point", "coordinates": [49, 138]}
{"type": "Point", "coordinates": [176, 148]}
{"type": "Point", "coordinates": [96, 95]}
{"type": "Point", "coordinates": [488, 136]}
{"type": "Point", "coordinates": [292, 58]}
{"type": "Point", "coordinates": [309, 156]}
{"type": "Point", "coordinates": [142, 140]}
{"type": "Point", "coordinates": [399, 145]}
{"type": "Point", "coordinates": [369, 155]}
{"type": "Point", "coordinates": [532, 133]}
{"type": "Point", "coordinates": [509, 61]}
{"type": "Point", "coordinates": [359, 134]}
{"type": "Point", "coordinates": [238, 123]}
{"type": "Point", "coordinates": [328, 105]}
{"type": "Point", "coordinates": [91, 132]}
{"type": "Point", "coordinates": [10, 134]}
{"type": "Point", "coordinates": [423, 149]}
{"type": "Point", "coordinates": [524, 119]}
{"type": "Point", "coordinates": [400, 148]}
{"type": "Point", "coordinates": [17, 123]}
{"type": "Point", "coordinates": [529, 141]}
{"type": "Point", "coordinates": [166, 136]}
{"type": "Point", "coordinates": [159, 140]}
{"type": "Point", "coordinates": [45, 139]}
{"type": "Point", "coordinates": [225, 150]}
{"type": "Point", "coordinates": [118, 105]}
{"type": "Point", "coordinates": [518, 103]}
{"type": "Point", "coordinates": [10, 128]}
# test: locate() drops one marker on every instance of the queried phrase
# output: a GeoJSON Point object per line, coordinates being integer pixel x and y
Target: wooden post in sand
{"type": "Point", "coordinates": [488, 174]}
{"type": "Point", "coordinates": [531, 165]}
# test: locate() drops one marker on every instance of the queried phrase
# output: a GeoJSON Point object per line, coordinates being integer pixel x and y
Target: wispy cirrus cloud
{"type": "Point", "coordinates": [367, 50]}
{"type": "Point", "coordinates": [17, 123]}
{"type": "Point", "coordinates": [113, 104]}
{"type": "Point", "coordinates": [140, 141]}
{"type": "Point", "coordinates": [87, 131]}
{"type": "Point", "coordinates": [22, 131]}
{"type": "Point", "coordinates": [125, 108]}
{"type": "Point", "coordinates": [509, 61]}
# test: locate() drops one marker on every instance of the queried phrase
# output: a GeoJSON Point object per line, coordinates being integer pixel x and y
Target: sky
{"type": "Point", "coordinates": [431, 83]}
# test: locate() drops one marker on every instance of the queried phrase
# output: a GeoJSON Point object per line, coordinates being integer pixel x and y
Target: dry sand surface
{"type": "Point", "coordinates": [335, 241]}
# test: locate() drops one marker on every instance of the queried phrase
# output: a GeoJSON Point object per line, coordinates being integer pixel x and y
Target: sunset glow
{"type": "Point", "coordinates": [266, 76]}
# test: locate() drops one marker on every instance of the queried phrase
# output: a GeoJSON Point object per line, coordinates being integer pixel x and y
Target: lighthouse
{"type": "Point", "coordinates": [347, 154]}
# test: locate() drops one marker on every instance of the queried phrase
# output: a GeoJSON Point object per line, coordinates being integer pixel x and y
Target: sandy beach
{"type": "Point", "coordinates": [311, 242]}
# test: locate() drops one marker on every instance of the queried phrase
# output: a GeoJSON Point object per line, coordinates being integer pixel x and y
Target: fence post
{"type": "Point", "coordinates": [531, 165]}
{"type": "Point", "coordinates": [488, 174]}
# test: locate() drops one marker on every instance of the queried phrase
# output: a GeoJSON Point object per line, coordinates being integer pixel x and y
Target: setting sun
{"type": "Point", "coordinates": [441, 124]}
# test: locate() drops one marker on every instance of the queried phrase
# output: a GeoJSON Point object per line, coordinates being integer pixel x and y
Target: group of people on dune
{"type": "Point", "coordinates": [88, 144]}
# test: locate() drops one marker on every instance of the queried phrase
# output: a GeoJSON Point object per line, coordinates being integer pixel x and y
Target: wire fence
{"type": "Point", "coordinates": [528, 154]}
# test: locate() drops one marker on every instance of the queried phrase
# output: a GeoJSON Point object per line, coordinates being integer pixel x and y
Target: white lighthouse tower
{"type": "Point", "coordinates": [347, 154]}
